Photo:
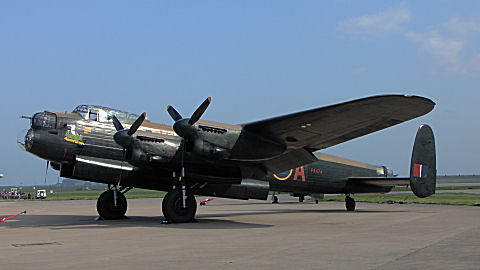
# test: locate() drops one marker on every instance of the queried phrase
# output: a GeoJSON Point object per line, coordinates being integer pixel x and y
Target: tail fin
{"type": "Point", "coordinates": [423, 168]}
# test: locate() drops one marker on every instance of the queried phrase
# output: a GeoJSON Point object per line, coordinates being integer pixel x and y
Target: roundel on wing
{"type": "Point", "coordinates": [283, 175]}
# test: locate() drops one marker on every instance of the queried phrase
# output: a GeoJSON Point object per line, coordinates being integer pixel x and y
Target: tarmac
{"type": "Point", "coordinates": [232, 234]}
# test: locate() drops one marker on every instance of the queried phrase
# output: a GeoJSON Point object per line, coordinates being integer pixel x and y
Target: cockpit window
{"type": "Point", "coordinates": [104, 114]}
{"type": "Point", "coordinates": [132, 117]}
{"type": "Point", "coordinates": [120, 116]}
{"type": "Point", "coordinates": [83, 111]}
{"type": "Point", "coordinates": [92, 115]}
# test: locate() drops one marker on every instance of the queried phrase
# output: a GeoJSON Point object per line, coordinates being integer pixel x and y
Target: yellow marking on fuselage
{"type": "Point", "coordinates": [283, 178]}
{"type": "Point", "coordinates": [72, 140]}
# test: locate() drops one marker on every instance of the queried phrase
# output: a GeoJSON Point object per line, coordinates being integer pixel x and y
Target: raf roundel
{"type": "Point", "coordinates": [284, 175]}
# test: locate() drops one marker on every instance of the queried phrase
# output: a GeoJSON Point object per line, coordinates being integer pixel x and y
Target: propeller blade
{"type": "Point", "coordinates": [116, 123]}
{"type": "Point", "coordinates": [46, 171]}
{"type": "Point", "coordinates": [136, 124]}
{"type": "Point", "coordinates": [173, 113]}
{"type": "Point", "coordinates": [199, 112]}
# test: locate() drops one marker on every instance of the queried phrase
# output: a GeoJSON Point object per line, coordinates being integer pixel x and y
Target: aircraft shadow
{"type": "Point", "coordinates": [203, 221]}
{"type": "Point", "coordinates": [233, 213]}
{"type": "Point", "coordinates": [69, 222]}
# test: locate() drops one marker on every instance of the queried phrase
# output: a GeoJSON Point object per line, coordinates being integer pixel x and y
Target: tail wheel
{"type": "Point", "coordinates": [106, 207]}
{"type": "Point", "coordinates": [173, 210]}
{"type": "Point", "coordinates": [350, 203]}
{"type": "Point", "coordinates": [275, 199]}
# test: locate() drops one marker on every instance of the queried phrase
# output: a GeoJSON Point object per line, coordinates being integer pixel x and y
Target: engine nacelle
{"type": "Point", "coordinates": [247, 189]}
{"type": "Point", "coordinates": [206, 149]}
{"type": "Point", "coordinates": [148, 150]}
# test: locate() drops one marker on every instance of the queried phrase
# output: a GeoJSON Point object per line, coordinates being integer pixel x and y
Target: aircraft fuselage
{"type": "Point", "coordinates": [85, 149]}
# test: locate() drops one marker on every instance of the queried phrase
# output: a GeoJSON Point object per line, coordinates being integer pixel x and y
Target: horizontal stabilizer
{"type": "Point", "coordinates": [382, 181]}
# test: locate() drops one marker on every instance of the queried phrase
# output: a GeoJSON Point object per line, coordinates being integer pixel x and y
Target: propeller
{"type": "Point", "coordinates": [136, 124]}
{"type": "Point", "coordinates": [173, 113]}
{"type": "Point", "coordinates": [184, 126]}
{"type": "Point", "coordinates": [116, 123]}
{"type": "Point", "coordinates": [199, 111]}
{"type": "Point", "coordinates": [46, 171]}
{"type": "Point", "coordinates": [124, 136]}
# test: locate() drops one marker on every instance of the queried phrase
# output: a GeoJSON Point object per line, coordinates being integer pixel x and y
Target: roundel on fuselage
{"type": "Point", "coordinates": [283, 175]}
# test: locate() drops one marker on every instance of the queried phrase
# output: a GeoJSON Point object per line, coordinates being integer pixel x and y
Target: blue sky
{"type": "Point", "coordinates": [256, 59]}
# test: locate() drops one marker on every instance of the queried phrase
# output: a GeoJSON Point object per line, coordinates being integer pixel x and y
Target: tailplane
{"type": "Point", "coordinates": [423, 168]}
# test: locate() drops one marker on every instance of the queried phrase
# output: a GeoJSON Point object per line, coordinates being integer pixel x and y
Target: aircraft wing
{"type": "Point", "coordinates": [308, 131]}
{"type": "Point", "coordinates": [288, 160]}
{"type": "Point", "coordinates": [327, 126]}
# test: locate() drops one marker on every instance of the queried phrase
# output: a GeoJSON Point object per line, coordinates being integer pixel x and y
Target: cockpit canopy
{"type": "Point", "coordinates": [104, 114]}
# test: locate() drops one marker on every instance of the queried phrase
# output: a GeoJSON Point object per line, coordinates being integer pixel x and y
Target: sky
{"type": "Point", "coordinates": [256, 59]}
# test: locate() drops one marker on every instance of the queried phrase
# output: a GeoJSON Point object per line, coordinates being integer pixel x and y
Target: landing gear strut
{"type": "Point", "coordinates": [112, 204]}
{"type": "Point", "coordinates": [178, 206]}
{"type": "Point", "coordinates": [349, 203]}
{"type": "Point", "coordinates": [301, 198]}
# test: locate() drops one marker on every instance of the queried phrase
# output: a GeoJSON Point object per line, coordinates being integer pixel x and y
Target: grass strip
{"type": "Point", "coordinates": [442, 198]}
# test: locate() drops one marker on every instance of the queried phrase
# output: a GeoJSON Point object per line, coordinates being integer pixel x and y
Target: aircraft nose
{"type": "Point", "coordinates": [25, 139]}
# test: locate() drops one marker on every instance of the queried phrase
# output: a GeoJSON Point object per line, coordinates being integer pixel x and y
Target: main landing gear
{"type": "Point", "coordinates": [179, 205]}
{"type": "Point", "coordinates": [112, 204]}
{"type": "Point", "coordinates": [349, 203]}
{"type": "Point", "coordinates": [176, 210]}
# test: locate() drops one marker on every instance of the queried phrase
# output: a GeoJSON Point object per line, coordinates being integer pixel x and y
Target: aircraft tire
{"type": "Point", "coordinates": [106, 207]}
{"type": "Point", "coordinates": [275, 199]}
{"type": "Point", "coordinates": [350, 203]}
{"type": "Point", "coordinates": [172, 207]}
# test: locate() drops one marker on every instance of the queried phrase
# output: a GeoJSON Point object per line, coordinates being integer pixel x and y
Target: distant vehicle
{"type": "Point", "coordinates": [41, 194]}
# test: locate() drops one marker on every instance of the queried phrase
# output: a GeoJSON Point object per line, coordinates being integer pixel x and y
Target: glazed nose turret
{"type": "Point", "coordinates": [25, 139]}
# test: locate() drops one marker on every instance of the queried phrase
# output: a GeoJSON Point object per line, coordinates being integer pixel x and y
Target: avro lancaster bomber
{"type": "Point", "coordinates": [246, 161]}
